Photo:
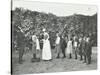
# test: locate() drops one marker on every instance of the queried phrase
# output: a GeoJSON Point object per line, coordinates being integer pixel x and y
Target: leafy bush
{"type": "Point", "coordinates": [33, 21]}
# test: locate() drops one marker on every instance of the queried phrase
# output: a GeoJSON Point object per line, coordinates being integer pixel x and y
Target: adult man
{"type": "Point", "coordinates": [21, 43]}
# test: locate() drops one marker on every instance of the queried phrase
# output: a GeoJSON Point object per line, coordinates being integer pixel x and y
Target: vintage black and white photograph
{"type": "Point", "coordinates": [52, 37]}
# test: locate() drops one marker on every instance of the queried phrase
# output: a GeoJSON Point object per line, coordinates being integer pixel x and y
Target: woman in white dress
{"type": "Point", "coordinates": [69, 48]}
{"type": "Point", "coordinates": [46, 52]}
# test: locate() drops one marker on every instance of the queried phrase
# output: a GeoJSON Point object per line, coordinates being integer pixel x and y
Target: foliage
{"type": "Point", "coordinates": [33, 21]}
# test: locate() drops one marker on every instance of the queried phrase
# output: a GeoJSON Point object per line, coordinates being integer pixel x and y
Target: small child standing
{"type": "Point", "coordinates": [69, 48]}
{"type": "Point", "coordinates": [75, 47]}
{"type": "Point", "coordinates": [57, 46]}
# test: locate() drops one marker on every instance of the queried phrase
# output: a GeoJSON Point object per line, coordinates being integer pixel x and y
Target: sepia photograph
{"type": "Point", "coordinates": [49, 37]}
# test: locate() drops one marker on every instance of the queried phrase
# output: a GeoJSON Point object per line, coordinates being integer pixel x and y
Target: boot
{"type": "Point", "coordinates": [58, 56]}
{"type": "Point", "coordinates": [70, 56]}
{"type": "Point", "coordinates": [81, 58]}
{"type": "Point", "coordinates": [75, 56]}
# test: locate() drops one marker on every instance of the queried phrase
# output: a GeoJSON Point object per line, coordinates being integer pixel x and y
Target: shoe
{"type": "Point", "coordinates": [87, 63]}
{"type": "Point", "coordinates": [75, 58]}
{"type": "Point", "coordinates": [57, 57]}
{"type": "Point", "coordinates": [33, 60]}
{"type": "Point", "coordinates": [81, 59]}
{"type": "Point", "coordinates": [64, 57]}
{"type": "Point", "coordinates": [69, 57]}
{"type": "Point", "coordinates": [84, 62]}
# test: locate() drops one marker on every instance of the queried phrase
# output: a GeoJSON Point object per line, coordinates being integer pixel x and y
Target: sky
{"type": "Point", "coordinates": [59, 9]}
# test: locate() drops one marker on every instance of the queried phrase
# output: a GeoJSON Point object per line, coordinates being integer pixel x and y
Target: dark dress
{"type": "Point", "coordinates": [41, 41]}
{"type": "Point", "coordinates": [63, 45]}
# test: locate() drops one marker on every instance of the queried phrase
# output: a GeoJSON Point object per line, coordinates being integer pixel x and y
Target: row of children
{"type": "Point", "coordinates": [81, 46]}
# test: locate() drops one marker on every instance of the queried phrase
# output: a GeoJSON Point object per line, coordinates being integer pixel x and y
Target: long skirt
{"type": "Point", "coordinates": [46, 52]}
{"type": "Point", "coordinates": [69, 49]}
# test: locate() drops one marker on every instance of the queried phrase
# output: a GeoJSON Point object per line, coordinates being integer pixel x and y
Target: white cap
{"type": "Point", "coordinates": [44, 29]}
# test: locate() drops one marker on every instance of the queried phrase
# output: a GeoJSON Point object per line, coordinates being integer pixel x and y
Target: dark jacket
{"type": "Point", "coordinates": [88, 48]}
{"type": "Point", "coordinates": [20, 39]}
{"type": "Point", "coordinates": [80, 48]}
{"type": "Point", "coordinates": [63, 44]}
{"type": "Point", "coordinates": [83, 47]}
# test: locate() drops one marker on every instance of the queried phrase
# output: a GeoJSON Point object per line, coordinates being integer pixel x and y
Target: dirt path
{"type": "Point", "coordinates": [56, 65]}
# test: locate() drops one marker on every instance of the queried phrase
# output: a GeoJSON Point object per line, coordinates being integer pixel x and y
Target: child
{"type": "Point", "coordinates": [75, 46]}
{"type": "Point", "coordinates": [63, 46]}
{"type": "Point", "coordinates": [58, 45]}
{"type": "Point", "coordinates": [69, 48]}
{"type": "Point", "coordinates": [80, 48]}
{"type": "Point", "coordinates": [88, 50]}
{"type": "Point", "coordinates": [34, 47]}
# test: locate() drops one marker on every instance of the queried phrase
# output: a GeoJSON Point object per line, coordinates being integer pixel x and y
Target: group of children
{"type": "Point", "coordinates": [68, 46]}
{"type": "Point", "coordinates": [78, 46]}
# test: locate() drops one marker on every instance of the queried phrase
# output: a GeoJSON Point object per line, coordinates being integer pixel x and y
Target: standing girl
{"type": "Point", "coordinates": [75, 46]}
{"type": "Point", "coordinates": [57, 45]}
{"type": "Point", "coordinates": [69, 48]}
